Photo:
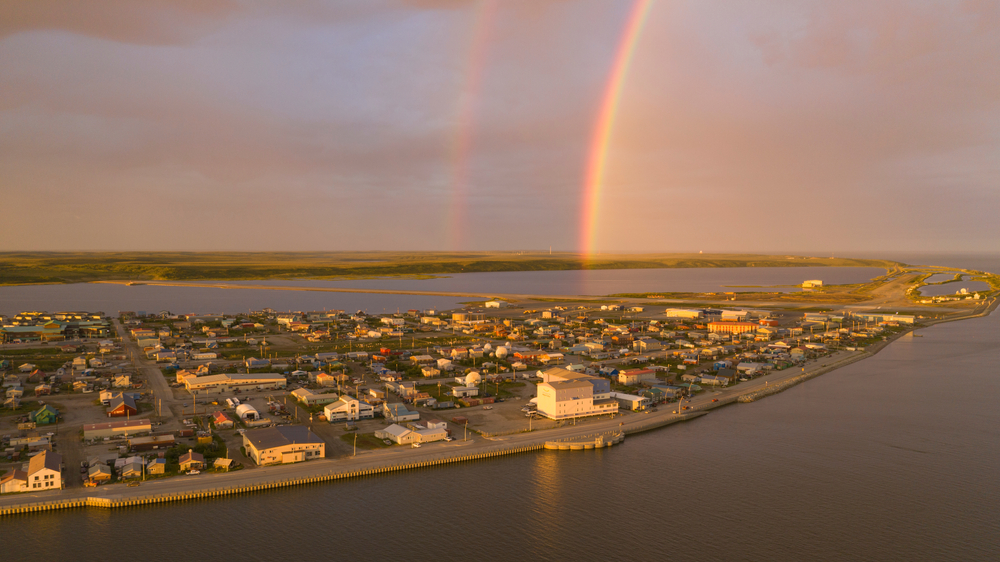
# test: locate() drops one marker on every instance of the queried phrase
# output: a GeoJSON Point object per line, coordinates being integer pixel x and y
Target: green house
{"type": "Point", "coordinates": [44, 415]}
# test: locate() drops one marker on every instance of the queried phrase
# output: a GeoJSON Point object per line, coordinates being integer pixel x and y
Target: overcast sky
{"type": "Point", "coordinates": [809, 126]}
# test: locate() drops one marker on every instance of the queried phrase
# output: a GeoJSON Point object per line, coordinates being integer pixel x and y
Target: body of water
{"type": "Point", "coordinates": [111, 298]}
{"type": "Point", "coordinates": [952, 288]}
{"type": "Point", "coordinates": [892, 458]}
{"type": "Point", "coordinates": [978, 262]}
{"type": "Point", "coordinates": [607, 281]}
{"type": "Point", "coordinates": [941, 277]}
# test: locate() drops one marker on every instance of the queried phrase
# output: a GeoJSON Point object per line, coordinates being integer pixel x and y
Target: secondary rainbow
{"type": "Point", "coordinates": [598, 153]}
{"type": "Point", "coordinates": [461, 146]}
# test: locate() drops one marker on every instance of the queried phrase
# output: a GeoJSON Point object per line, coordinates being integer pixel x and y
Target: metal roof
{"type": "Point", "coordinates": [279, 436]}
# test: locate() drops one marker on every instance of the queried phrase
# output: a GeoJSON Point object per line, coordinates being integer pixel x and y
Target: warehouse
{"type": "Point", "coordinates": [283, 444]}
{"type": "Point", "coordinates": [114, 429]}
{"type": "Point", "coordinates": [213, 384]}
{"type": "Point", "coordinates": [631, 401]}
{"type": "Point", "coordinates": [688, 313]}
{"type": "Point", "coordinates": [732, 327]}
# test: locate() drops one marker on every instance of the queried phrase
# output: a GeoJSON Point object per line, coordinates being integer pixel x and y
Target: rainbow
{"type": "Point", "coordinates": [461, 146]}
{"type": "Point", "coordinates": [600, 142]}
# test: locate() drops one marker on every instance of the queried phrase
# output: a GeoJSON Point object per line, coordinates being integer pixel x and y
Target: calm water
{"type": "Point", "coordinates": [111, 298]}
{"type": "Point", "coordinates": [609, 281]}
{"type": "Point", "coordinates": [179, 300]}
{"type": "Point", "coordinates": [893, 458]}
{"type": "Point", "coordinates": [980, 262]}
{"type": "Point", "coordinates": [952, 288]}
{"type": "Point", "coordinates": [940, 277]}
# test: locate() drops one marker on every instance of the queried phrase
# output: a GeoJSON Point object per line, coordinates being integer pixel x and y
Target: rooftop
{"type": "Point", "coordinates": [279, 436]}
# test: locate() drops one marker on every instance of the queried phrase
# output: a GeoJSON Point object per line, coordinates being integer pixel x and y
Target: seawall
{"type": "Point", "coordinates": [138, 499]}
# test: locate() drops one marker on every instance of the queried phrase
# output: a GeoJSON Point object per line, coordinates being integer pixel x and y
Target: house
{"type": "Point", "coordinates": [399, 413]}
{"type": "Point", "coordinates": [324, 379]}
{"type": "Point", "coordinates": [122, 381]}
{"type": "Point", "coordinates": [631, 401]}
{"type": "Point", "coordinates": [14, 481]}
{"type": "Point", "coordinates": [348, 408]}
{"type": "Point", "coordinates": [45, 471]}
{"type": "Point", "coordinates": [131, 470]}
{"type": "Point", "coordinates": [283, 444]}
{"type": "Point", "coordinates": [431, 434]}
{"type": "Point", "coordinates": [254, 363]}
{"type": "Point", "coordinates": [157, 466]}
{"type": "Point", "coordinates": [122, 404]}
{"type": "Point", "coordinates": [728, 374]}
{"type": "Point", "coordinates": [191, 461]}
{"type": "Point", "coordinates": [643, 345]}
{"type": "Point", "coordinates": [99, 472]}
{"type": "Point", "coordinates": [222, 420]}
{"type": "Point", "coordinates": [636, 376]}
{"type": "Point", "coordinates": [713, 380]}
{"type": "Point", "coordinates": [398, 434]}
{"type": "Point", "coordinates": [44, 415]}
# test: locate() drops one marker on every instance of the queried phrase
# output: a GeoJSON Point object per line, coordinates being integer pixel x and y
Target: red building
{"type": "Point", "coordinates": [732, 327]}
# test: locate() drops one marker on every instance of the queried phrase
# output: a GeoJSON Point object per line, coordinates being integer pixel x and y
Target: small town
{"type": "Point", "coordinates": [92, 400]}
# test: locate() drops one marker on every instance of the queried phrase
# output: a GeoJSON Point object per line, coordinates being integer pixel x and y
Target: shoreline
{"type": "Point", "coordinates": [280, 476]}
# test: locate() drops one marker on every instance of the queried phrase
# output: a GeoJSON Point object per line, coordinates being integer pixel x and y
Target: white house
{"type": "Point", "coordinates": [571, 399]}
{"type": "Point", "coordinates": [348, 408]}
{"type": "Point", "coordinates": [45, 472]}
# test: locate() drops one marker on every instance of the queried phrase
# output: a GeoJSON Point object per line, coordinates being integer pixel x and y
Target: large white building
{"type": "Point", "coordinates": [310, 398]}
{"type": "Point", "coordinates": [348, 408]}
{"type": "Point", "coordinates": [44, 473]}
{"type": "Point", "coordinates": [689, 313]}
{"type": "Point", "coordinates": [566, 394]}
{"type": "Point", "coordinates": [283, 444]}
{"type": "Point", "coordinates": [211, 384]}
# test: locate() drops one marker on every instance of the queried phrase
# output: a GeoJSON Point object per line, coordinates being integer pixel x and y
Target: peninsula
{"type": "Point", "coordinates": [383, 392]}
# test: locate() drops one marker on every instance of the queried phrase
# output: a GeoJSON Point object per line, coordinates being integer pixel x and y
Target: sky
{"type": "Point", "coordinates": [770, 126]}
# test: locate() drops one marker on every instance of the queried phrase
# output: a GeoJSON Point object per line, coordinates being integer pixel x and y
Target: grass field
{"type": "Point", "coordinates": [22, 268]}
